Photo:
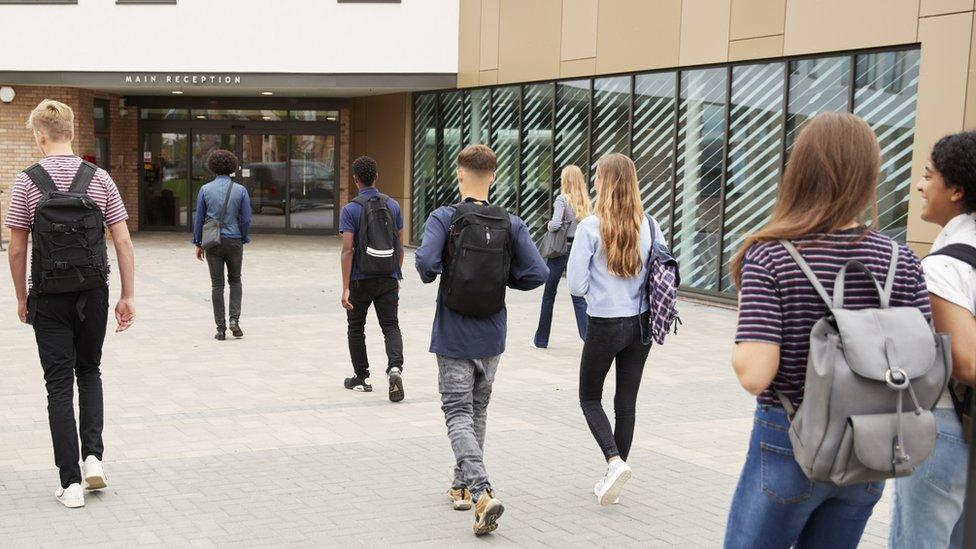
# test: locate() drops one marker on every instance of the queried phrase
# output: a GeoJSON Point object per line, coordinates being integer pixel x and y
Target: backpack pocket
{"type": "Point", "coordinates": [869, 449]}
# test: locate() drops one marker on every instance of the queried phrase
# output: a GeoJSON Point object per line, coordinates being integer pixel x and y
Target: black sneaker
{"type": "Point", "coordinates": [235, 329]}
{"type": "Point", "coordinates": [396, 385]}
{"type": "Point", "coordinates": [221, 335]}
{"type": "Point", "coordinates": [356, 383]}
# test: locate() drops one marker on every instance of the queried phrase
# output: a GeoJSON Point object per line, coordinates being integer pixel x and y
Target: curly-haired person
{"type": "Point", "coordinates": [928, 506]}
{"type": "Point", "coordinates": [224, 207]}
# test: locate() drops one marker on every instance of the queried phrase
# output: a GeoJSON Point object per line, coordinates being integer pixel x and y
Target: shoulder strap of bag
{"type": "Point", "coordinates": [42, 180]}
{"type": "Point", "coordinates": [223, 212]}
{"type": "Point", "coordinates": [962, 252]}
{"type": "Point", "coordinates": [83, 177]}
{"type": "Point", "coordinates": [808, 272]}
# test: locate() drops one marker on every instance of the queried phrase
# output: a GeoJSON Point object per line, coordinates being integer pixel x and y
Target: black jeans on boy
{"type": "Point", "coordinates": [229, 252]}
{"type": "Point", "coordinates": [609, 340]}
{"type": "Point", "coordinates": [70, 330]}
{"type": "Point", "coordinates": [384, 294]}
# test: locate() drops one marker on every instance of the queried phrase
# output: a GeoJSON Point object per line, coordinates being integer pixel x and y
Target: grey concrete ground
{"type": "Point", "coordinates": [255, 442]}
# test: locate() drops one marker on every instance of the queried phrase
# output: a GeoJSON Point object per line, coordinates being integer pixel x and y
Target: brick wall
{"type": "Point", "coordinates": [18, 150]}
{"type": "Point", "coordinates": [346, 187]}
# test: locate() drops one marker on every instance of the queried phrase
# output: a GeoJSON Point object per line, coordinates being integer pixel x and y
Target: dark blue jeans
{"type": "Point", "coordinates": [777, 506]}
{"type": "Point", "coordinates": [556, 267]}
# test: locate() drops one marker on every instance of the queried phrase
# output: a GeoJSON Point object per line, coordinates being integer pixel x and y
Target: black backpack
{"type": "Point", "coordinates": [962, 394]}
{"type": "Point", "coordinates": [377, 239]}
{"type": "Point", "coordinates": [68, 250]}
{"type": "Point", "coordinates": [477, 259]}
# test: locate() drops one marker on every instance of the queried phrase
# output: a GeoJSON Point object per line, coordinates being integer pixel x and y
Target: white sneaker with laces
{"type": "Point", "coordinates": [93, 474]}
{"type": "Point", "coordinates": [618, 473]}
{"type": "Point", "coordinates": [71, 497]}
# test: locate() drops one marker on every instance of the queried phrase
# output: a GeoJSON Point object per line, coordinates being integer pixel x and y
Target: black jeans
{"type": "Point", "coordinates": [70, 330]}
{"type": "Point", "coordinates": [384, 294]}
{"type": "Point", "coordinates": [229, 252]}
{"type": "Point", "coordinates": [609, 340]}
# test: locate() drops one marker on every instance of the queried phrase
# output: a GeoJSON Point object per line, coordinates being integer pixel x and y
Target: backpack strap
{"type": "Point", "coordinates": [808, 272]}
{"type": "Point", "coordinates": [42, 180]}
{"type": "Point", "coordinates": [890, 279]}
{"type": "Point", "coordinates": [962, 252]}
{"type": "Point", "coordinates": [83, 177]}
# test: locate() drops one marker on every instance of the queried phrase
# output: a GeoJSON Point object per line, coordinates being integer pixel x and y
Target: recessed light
{"type": "Point", "coordinates": [177, 92]}
{"type": "Point", "coordinates": [330, 118]}
{"type": "Point", "coordinates": [202, 117]}
{"type": "Point", "coordinates": [266, 118]}
{"type": "Point", "coordinates": [267, 93]}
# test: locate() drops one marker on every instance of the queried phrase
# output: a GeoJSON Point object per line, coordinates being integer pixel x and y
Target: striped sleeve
{"type": "Point", "coordinates": [19, 214]}
{"type": "Point", "coordinates": [760, 306]}
{"type": "Point", "coordinates": [114, 207]}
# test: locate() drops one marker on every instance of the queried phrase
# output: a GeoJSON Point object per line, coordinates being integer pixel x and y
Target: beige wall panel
{"type": "Point", "coordinates": [704, 32]}
{"type": "Point", "coordinates": [469, 43]}
{"type": "Point", "coordinates": [939, 7]}
{"type": "Point", "coordinates": [756, 48]}
{"type": "Point", "coordinates": [387, 119]}
{"type": "Point", "coordinates": [969, 121]}
{"type": "Point", "coordinates": [577, 67]}
{"type": "Point", "coordinates": [489, 34]}
{"type": "Point", "coordinates": [755, 18]}
{"type": "Point", "coordinates": [579, 29]}
{"type": "Point", "coordinates": [488, 78]}
{"type": "Point", "coordinates": [941, 100]}
{"type": "Point", "coordinates": [814, 26]}
{"type": "Point", "coordinates": [637, 35]}
{"type": "Point", "coordinates": [528, 40]}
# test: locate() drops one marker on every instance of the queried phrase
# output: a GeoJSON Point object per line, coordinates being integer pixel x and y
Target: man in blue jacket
{"type": "Point", "coordinates": [468, 348]}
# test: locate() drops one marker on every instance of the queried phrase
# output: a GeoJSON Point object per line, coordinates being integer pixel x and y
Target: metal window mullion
{"type": "Point", "coordinates": [725, 176]}
{"type": "Point", "coordinates": [555, 167]}
{"type": "Point", "coordinates": [630, 117]}
{"type": "Point", "coordinates": [850, 89]}
{"type": "Point", "coordinates": [784, 118]}
{"type": "Point", "coordinates": [465, 102]}
{"type": "Point", "coordinates": [518, 151]}
{"type": "Point", "coordinates": [674, 156]}
{"type": "Point", "coordinates": [438, 144]}
{"type": "Point", "coordinates": [590, 176]}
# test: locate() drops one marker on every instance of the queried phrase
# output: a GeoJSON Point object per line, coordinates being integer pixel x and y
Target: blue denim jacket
{"type": "Point", "coordinates": [210, 201]}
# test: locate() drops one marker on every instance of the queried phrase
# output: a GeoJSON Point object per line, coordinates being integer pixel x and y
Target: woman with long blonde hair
{"type": "Point", "coordinates": [571, 206]}
{"type": "Point", "coordinates": [607, 267]}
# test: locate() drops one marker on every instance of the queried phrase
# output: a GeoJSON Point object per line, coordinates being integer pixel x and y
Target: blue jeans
{"type": "Point", "coordinates": [927, 507]}
{"type": "Point", "coordinates": [556, 267]}
{"type": "Point", "coordinates": [777, 506]}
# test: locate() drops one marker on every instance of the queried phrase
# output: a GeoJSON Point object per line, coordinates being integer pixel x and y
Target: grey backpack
{"type": "Point", "coordinates": [873, 377]}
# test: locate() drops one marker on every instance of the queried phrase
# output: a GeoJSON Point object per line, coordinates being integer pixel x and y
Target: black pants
{"type": "Point", "coordinates": [229, 252]}
{"type": "Point", "coordinates": [70, 330]}
{"type": "Point", "coordinates": [609, 340]}
{"type": "Point", "coordinates": [384, 294]}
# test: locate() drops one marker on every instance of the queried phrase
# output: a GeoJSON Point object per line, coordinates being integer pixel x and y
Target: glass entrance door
{"type": "Point", "coordinates": [202, 145]}
{"type": "Point", "coordinates": [313, 175]}
{"type": "Point", "coordinates": [164, 179]}
{"type": "Point", "coordinates": [264, 173]}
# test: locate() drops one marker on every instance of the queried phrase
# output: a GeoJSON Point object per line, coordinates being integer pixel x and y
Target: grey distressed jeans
{"type": "Point", "coordinates": [465, 387]}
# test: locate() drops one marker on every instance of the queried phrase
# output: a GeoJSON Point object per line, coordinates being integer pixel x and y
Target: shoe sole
{"type": "Point", "coordinates": [95, 483]}
{"type": "Point", "coordinates": [360, 389]}
{"type": "Point", "coordinates": [489, 521]}
{"type": "Point", "coordinates": [396, 388]}
{"type": "Point", "coordinates": [71, 504]}
{"type": "Point", "coordinates": [462, 506]}
{"type": "Point", "coordinates": [616, 486]}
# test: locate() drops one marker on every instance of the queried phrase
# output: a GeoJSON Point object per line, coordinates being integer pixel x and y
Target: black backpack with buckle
{"type": "Point", "coordinates": [477, 259]}
{"type": "Point", "coordinates": [68, 252]}
{"type": "Point", "coordinates": [377, 239]}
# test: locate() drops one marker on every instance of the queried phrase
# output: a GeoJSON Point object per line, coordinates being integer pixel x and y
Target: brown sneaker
{"type": "Point", "coordinates": [461, 498]}
{"type": "Point", "coordinates": [486, 513]}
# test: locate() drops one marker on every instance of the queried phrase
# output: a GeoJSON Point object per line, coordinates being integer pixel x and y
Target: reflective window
{"type": "Point", "coordinates": [451, 110]}
{"type": "Point", "coordinates": [654, 129]}
{"type": "Point", "coordinates": [100, 122]}
{"type": "Point", "coordinates": [477, 117]}
{"type": "Point", "coordinates": [816, 86]}
{"type": "Point", "coordinates": [537, 170]}
{"type": "Point", "coordinates": [163, 114]}
{"type": "Point", "coordinates": [238, 114]}
{"type": "Point", "coordinates": [505, 143]}
{"type": "Point", "coordinates": [264, 173]}
{"type": "Point", "coordinates": [424, 161]}
{"type": "Point", "coordinates": [314, 116]}
{"type": "Point", "coordinates": [311, 196]}
{"type": "Point", "coordinates": [164, 179]}
{"type": "Point", "coordinates": [572, 124]}
{"type": "Point", "coordinates": [611, 112]}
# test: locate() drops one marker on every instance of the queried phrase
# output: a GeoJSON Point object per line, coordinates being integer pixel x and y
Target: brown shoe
{"type": "Point", "coordinates": [461, 498]}
{"type": "Point", "coordinates": [487, 510]}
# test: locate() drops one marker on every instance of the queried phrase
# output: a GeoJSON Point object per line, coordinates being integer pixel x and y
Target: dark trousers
{"type": "Point", "coordinates": [610, 340]}
{"type": "Point", "coordinates": [229, 252]}
{"type": "Point", "coordinates": [556, 267]}
{"type": "Point", "coordinates": [70, 330]}
{"type": "Point", "coordinates": [384, 294]}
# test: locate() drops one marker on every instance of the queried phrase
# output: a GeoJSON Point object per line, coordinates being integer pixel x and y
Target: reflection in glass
{"type": "Point", "coordinates": [572, 124]}
{"type": "Point", "coordinates": [611, 110]}
{"type": "Point", "coordinates": [755, 153]}
{"type": "Point", "coordinates": [424, 162]}
{"type": "Point", "coordinates": [654, 143]}
{"type": "Point", "coordinates": [701, 136]}
{"type": "Point", "coordinates": [816, 86]}
{"type": "Point", "coordinates": [535, 203]}
{"type": "Point", "coordinates": [476, 117]}
{"type": "Point", "coordinates": [885, 89]}
{"type": "Point", "coordinates": [314, 116]}
{"type": "Point", "coordinates": [505, 143]}
{"type": "Point", "coordinates": [264, 165]}
{"type": "Point", "coordinates": [163, 114]}
{"type": "Point", "coordinates": [312, 195]}
{"type": "Point", "coordinates": [203, 144]}
{"type": "Point", "coordinates": [164, 179]}
{"type": "Point", "coordinates": [238, 114]}
{"type": "Point", "coordinates": [451, 110]}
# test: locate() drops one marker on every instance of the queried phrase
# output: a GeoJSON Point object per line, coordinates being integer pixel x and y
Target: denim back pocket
{"type": "Point", "coordinates": [782, 479]}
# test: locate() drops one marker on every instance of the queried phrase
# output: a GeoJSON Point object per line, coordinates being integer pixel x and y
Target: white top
{"type": "Point", "coordinates": [949, 278]}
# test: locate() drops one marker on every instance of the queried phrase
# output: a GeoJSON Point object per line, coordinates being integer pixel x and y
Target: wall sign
{"type": "Point", "coordinates": [199, 79]}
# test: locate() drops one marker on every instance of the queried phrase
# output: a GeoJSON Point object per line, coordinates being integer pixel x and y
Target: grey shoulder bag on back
{"type": "Point", "coordinates": [211, 228]}
{"type": "Point", "coordinates": [873, 376]}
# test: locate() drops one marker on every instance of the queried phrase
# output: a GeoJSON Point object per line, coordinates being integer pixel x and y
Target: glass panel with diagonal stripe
{"type": "Point", "coordinates": [572, 125]}
{"type": "Point", "coordinates": [424, 162]}
{"type": "Point", "coordinates": [885, 88]}
{"type": "Point", "coordinates": [755, 155]}
{"type": "Point", "coordinates": [654, 125]}
{"type": "Point", "coordinates": [701, 138]}
{"type": "Point", "coordinates": [816, 86]}
{"type": "Point", "coordinates": [450, 122]}
{"type": "Point", "coordinates": [611, 115]}
{"type": "Point", "coordinates": [476, 117]}
{"type": "Point", "coordinates": [505, 143]}
{"type": "Point", "coordinates": [535, 203]}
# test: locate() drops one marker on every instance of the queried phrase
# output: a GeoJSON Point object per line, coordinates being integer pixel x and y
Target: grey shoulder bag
{"type": "Point", "coordinates": [556, 243]}
{"type": "Point", "coordinates": [211, 228]}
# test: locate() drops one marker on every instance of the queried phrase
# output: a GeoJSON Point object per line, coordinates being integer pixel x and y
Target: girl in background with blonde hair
{"type": "Point", "coordinates": [607, 267]}
{"type": "Point", "coordinates": [572, 205]}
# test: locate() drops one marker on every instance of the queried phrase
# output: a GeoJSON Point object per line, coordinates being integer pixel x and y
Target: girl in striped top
{"type": "Point", "coordinates": [829, 183]}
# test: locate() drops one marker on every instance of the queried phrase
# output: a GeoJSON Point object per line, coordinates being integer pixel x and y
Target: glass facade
{"type": "Point", "coordinates": [709, 144]}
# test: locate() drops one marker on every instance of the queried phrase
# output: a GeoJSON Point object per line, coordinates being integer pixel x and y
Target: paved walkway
{"type": "Point", "coordinates": [255, 442]}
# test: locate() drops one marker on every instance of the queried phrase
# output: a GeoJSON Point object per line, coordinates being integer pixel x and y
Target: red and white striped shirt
{"type": "Point", "coordinates": [62, 168]}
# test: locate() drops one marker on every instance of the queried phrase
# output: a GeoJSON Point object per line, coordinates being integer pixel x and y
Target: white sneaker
{"type": "Point", "coordinates": [72, 496]}
{"type": "Point", "coordinates": [618, 473]}
{"type": "Point", "coordinates": [93, 474]}
{"type": "Point", "coordinates": [599, 487]}
{"type": "Point", "coordinates": [534, 346]}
